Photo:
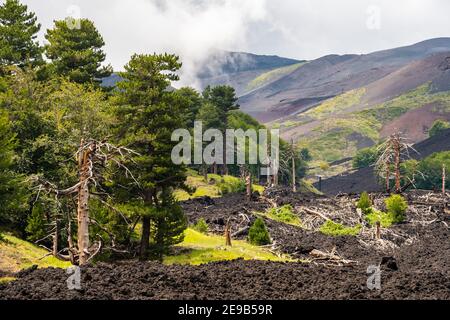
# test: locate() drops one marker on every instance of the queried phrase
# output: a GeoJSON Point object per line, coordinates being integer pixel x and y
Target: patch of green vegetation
{"type": "Point", "coordinates": [438, 126]}
{"type": "Point", "coordinates": [258, 233]}
{"type": "Point", "coordinates": [337, 104]}
{"type": "Point", "coordinates": [229, 184]}
{"type": "Point", "coordinates": [201, 226]}
{"type": "Point", "coordinates": [365, 203]}
{"type": "Point", "coordinates": [396, 206]}
{"type": "Point", "coordinates": [307, 186]}
{"type": "Point", "coordinates": [284, 214]}
{"type": "Point", "coordinates": [17, 254]}
{"type": "Point", "coordinates": [215, 187]}
{"type": "Point", "coordinates": [201, 248]}
{"type": "Point", "coordinates": [335, 229]}
{"type": "Point", "coordinates": [5, 280]}
{"type": "Point", "coordinates": [385, 219]}
{"type": "Point", "coordinates": [272, 75]}
{"type": "Point", "coordinates": [329, 141]}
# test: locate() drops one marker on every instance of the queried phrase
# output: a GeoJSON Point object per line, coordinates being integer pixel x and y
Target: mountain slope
{"type": "Point", "coordinates": [365, 179]}
{"type": "Point", "coordinates": [242, 70]}
{"type": "Point", "coordinates": [330, 76]}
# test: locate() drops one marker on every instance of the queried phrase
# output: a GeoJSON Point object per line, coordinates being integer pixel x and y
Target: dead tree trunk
{"type": "Point", "coordinates": [388, 177]}
{"type": "Point", "coordinates": [397, 147]}
{"type": "Point", "coordinates": [55, 239]}
{"type": "Point", "coordinates": [228, 234]}
{"type": "Point", "coordinates": [294, 186]}
{"type": "Point", "coordinates": [83, 206]}
{"type": "Point", "coordinates": [443, 179]}
{"type": "Point", "coordinates": [248, 183]}
{"type": "Point", "coordinates": [378, 230]}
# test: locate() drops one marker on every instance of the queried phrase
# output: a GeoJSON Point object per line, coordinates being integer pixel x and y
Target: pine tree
{"type": "Point", "coordinates": [11, 193]}
{"type": "Point", "coordinates": [225, 100]}
{"type": "Point", "coordinates": [18, 32]}
{"type": "Point", "coordinates": [148, 113]}
{"type": "Point", "coordinates": [77, 52]}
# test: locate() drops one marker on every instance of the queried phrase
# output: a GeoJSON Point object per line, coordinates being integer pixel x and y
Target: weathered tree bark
{"type": "Point", "coordinates": [443, 179]}
{"type": "Point", "coordinates": [228, 234]}
{"type": "Point", "coordinates": [294, 186]}
{"type": "Point", "coordinates": [378, 230]}
{"type": "Point", "coordinates": [83, 204]}
{"type": "Point", "coordinates": [398, 188]}
{"type": "Point", "coordinates": [388, 176]}
{"type": "Point", "coordinates": [69, 239]}
{"type": "Point", "coordinates": [248, 183]}
{"type": "Point", "coordinates": [55, 239]}
{"type": "Point", "coordinates": [83, 221]}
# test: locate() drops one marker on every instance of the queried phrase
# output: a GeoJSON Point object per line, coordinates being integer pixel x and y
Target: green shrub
{"type": "Point", "coordinates": [385, 219]}
{"type": "Point", "coordinates": [438, 126]}
{"type": "Point", "coordinates": [201, 226]}
{"type": "Point", "coordinates": [364, 203]}
{"type": "Point", "coordinates": [284, 214]}
{"type": "Point", "coordinates": [396, 206]}
{"type": "Point", "coordinates": [258, 234]}
{"type": "Point", "coordinates": [335, 229]}
{"type": "Point", "coordinates": [365, 158]}
{"type": "Point", "coordinates": [229, 184]}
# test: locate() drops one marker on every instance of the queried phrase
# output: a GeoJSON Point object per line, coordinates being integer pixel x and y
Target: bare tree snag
{"type": "Point", "coordinates": [388, 177]}
{"type": "Point", "coordinates": [397, 149]}
{"type": "Point", "coordinates": [294, 186]}
{"type": "Point", "coordinates": [228, 233]}
{"type": "Point", "coordinates": [378, 230]}
{"type": "Point", "coordinates": [92, 158]}
{"type": "Point", "coordinates": [248, 183]}
{"type": "Point", "coordinates": [85, 169]}
{"type": "Point", "coordinates": [443, 179]}
{"type": "Point", "coordinates": [55, 239]}
{"type": "Point", "coordinates": [392, 153]}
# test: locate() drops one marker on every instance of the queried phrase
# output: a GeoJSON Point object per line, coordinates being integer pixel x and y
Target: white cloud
{"type": "Point", "coordinates": [304, 29]}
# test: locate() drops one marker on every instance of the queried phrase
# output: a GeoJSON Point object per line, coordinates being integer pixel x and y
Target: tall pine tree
{"type": "Point", "coordinates": [148, 113]}
{"type": "Point", "coordinates": [18, 32]}
{"type": "Point", "coordinates": [77, 53]}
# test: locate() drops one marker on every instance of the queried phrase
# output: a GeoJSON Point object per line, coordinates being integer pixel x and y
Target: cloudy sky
{"type": "Point", "coordinates": [303, 29]}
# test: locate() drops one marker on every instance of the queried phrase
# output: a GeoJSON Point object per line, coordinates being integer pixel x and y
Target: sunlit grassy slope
{"type": "Point", "coordinates": [331, 140]}
{"type": "Point", "coordinates": [272, 75]}
{"type": "Point", "coordinates": [201, 248]}
{"type": "Point", "coordinates": [214, 187]}
{"type": "Point", "coordinates": [17, 254]}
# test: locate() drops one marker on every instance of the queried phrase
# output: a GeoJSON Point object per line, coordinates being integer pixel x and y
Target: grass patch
{"type": "Point", "coordinates": [272, 75]}
{"type": "Point", "coordinates": [284, 214]}
{"type": "Point", "coordinates": [5, 280]}
{"type": "Point", "coordinates": [386, 219]}
{"type": "Point", "coordinates": [17, 254]}
{"type": "Point", "coordinates": [216, 186]}
{"type": "Point", "coordinates": [335, 229]}
{"type": "Point", "coordinates": [202, 248]}
{"type": "Point", "coordinates": [337, 104]}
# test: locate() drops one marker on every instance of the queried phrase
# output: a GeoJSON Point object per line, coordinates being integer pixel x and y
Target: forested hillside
{"type": "Point", "coordinates": [86, 169]}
